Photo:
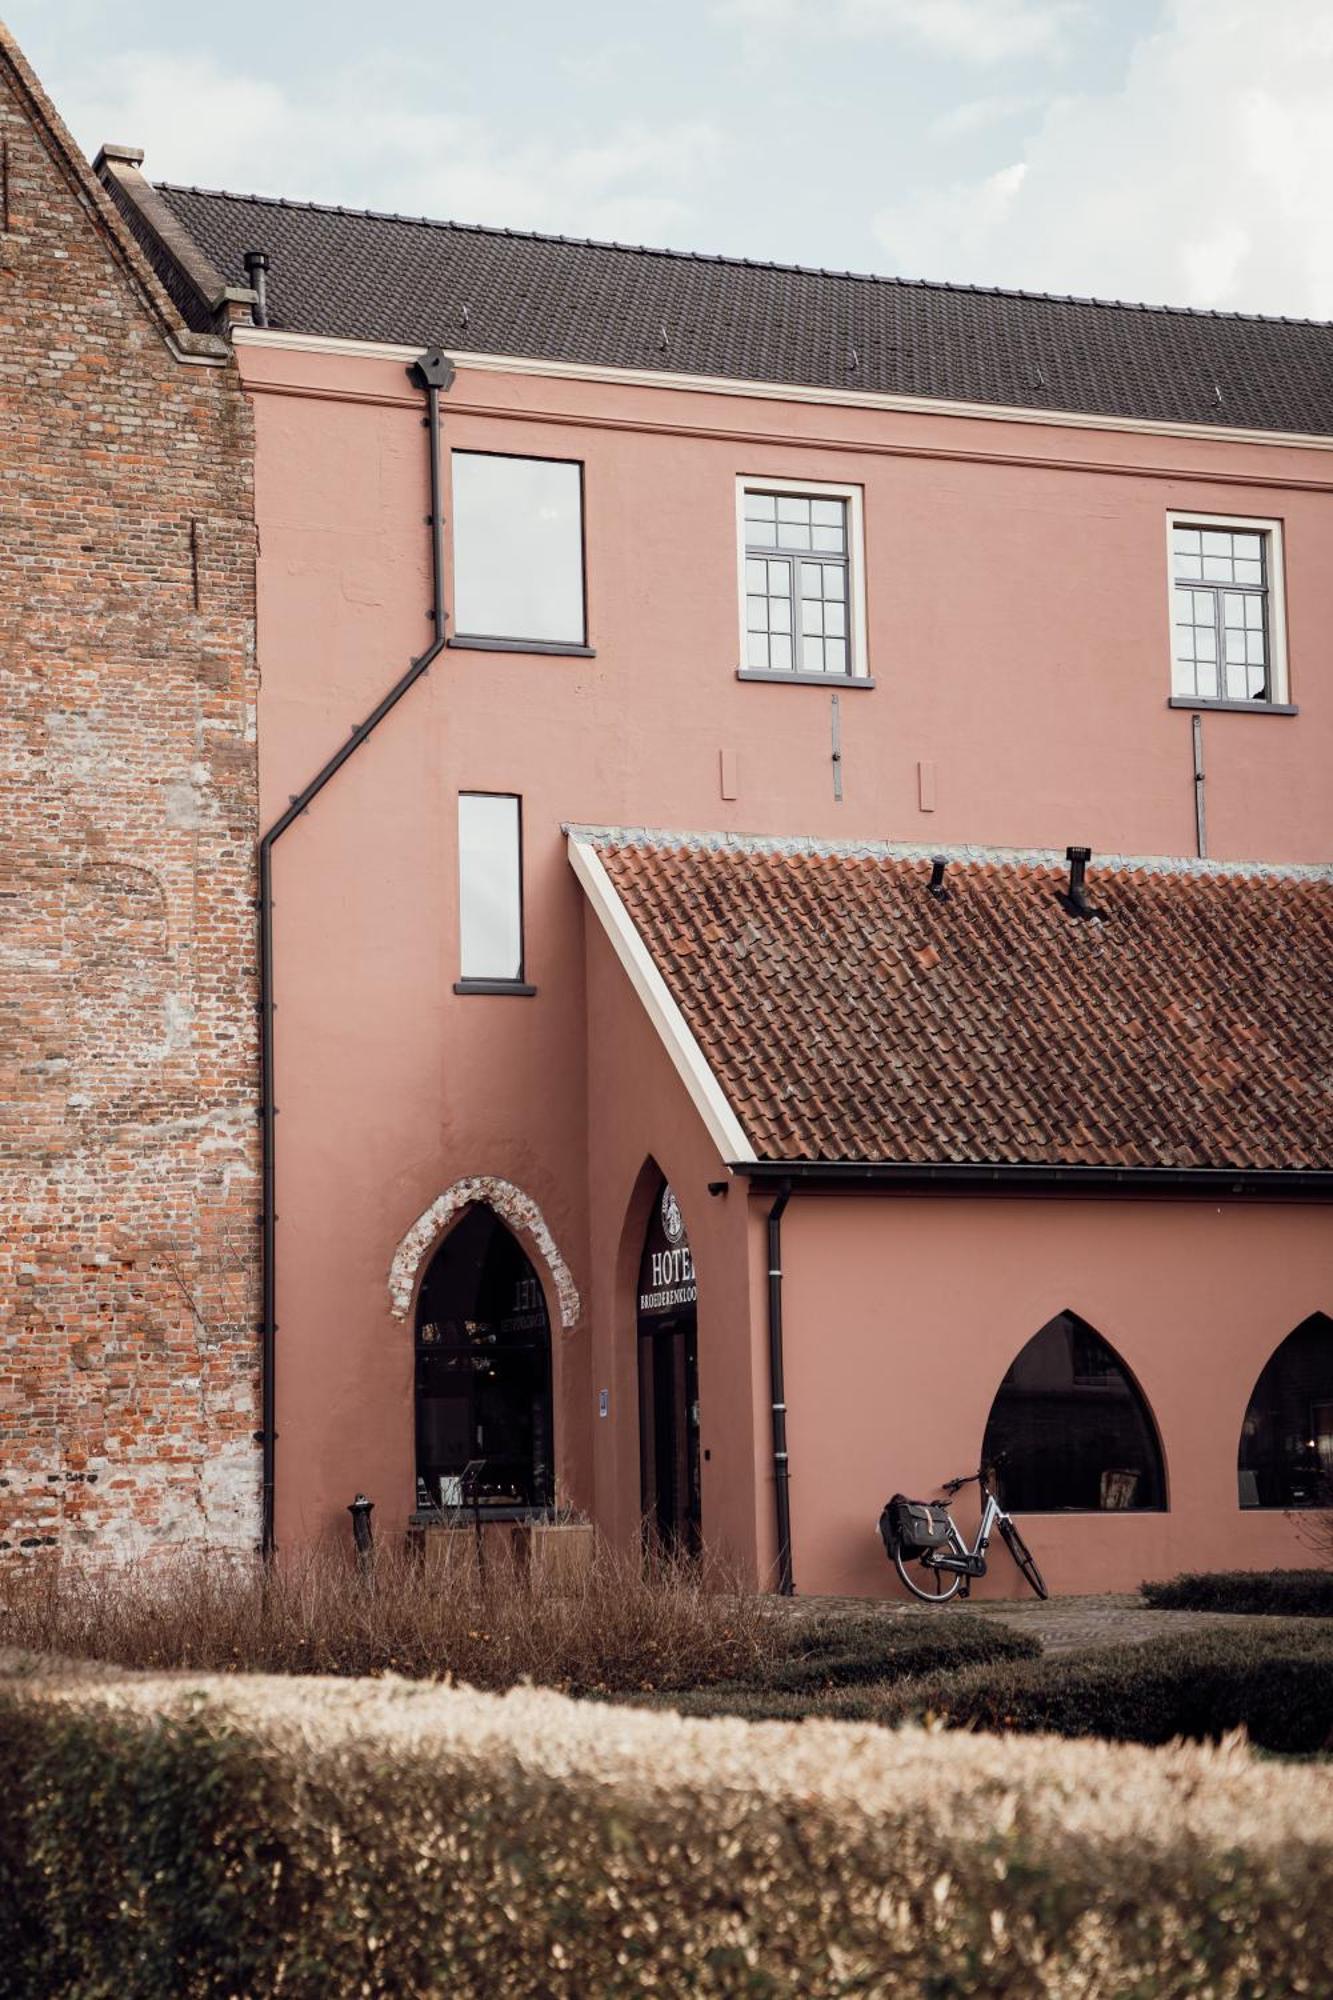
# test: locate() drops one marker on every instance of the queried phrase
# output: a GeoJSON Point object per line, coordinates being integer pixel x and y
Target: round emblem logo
{"type": "Point", "coordinates": [673, 1222]}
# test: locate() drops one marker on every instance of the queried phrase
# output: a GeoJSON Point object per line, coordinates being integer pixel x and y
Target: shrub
{"type": "Point", "coordinates": [1290, 1593]}
{"type": "Point", "coordinates": [311, 1841]}
{"type": "Point", "coordinates": [620, 1626]}
{"type": "Point", "coordinates": [838, 1662]}
{"type": "Point", "coordinates": [1275, 1682]}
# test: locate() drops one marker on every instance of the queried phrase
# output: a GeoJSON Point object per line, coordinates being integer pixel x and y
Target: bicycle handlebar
{"type": "Point", "coordinates": [955, 1485]}
{"type": "Point", "coordinates": [967, 1479]}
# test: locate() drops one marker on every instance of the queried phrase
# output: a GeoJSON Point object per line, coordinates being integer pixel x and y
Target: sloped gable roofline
{"type": "Point", "coordinates": [199, 349]}
{"type": "Point", "coordinates": [688, 1059]}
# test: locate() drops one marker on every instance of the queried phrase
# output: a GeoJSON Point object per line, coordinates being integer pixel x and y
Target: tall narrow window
{"type": "Point", "coordinates": [490, 892]}
{"type": "Point", "coordinates": [1227, 628]}
{"type": "Point", "coordinates": [518, 552]}
{"type": "Point", "coordinates": [802, 584]}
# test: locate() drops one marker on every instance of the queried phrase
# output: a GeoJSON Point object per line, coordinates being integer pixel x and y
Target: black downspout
{"type": "Point", "coordinates": [781, 1492]}
{"type": "Point", "coordinates": [432, 372]}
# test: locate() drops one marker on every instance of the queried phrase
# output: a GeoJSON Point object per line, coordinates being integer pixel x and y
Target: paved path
{"type": "Point", "coordinates": [1063, 1624]}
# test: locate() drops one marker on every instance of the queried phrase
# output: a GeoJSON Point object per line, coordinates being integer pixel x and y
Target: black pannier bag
{"type": "Point", "coordinates": [913, 1526]}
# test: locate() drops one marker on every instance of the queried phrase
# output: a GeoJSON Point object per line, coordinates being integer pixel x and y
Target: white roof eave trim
{"type": "Point", "coordinates": [706, 1093]}
{"type": "Point", "coordinates": [783, 392]}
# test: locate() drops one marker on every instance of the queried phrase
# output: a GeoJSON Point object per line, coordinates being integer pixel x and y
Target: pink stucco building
{"type": "Point", "coordinates": [660, 1131]}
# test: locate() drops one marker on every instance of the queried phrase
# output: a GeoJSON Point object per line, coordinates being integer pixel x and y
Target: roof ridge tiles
{"type": "Point", "coordinates": [942, 285]}
{"type": "Point", "coordinates": [968, 854]}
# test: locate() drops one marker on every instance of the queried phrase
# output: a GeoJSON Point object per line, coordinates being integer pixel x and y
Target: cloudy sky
{"type": "Point", "coordinates": [1168, 150]}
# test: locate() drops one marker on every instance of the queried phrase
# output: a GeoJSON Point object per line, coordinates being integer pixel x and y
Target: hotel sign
{"type": "Point", "coordinates": [666, 1275]}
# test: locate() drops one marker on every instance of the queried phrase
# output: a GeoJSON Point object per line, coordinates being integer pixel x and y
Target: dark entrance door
{"type": "Point", "coordinates": [483, 1400]}
{"type": "Point", "coordinates": [669, 1382]}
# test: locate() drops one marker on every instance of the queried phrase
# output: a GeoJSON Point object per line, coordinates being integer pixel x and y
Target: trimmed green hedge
{"type": "Point", "coordinates": [1274, 1682]}
{"type": "Point", "coordinates": [1272, 1593]}
{"type": "Point", "coordinates": [194, 1838]}
{"type": "Point", "coordinates": [839, 1665]}
{"type": "Point", "coordinates": [829, 1650]}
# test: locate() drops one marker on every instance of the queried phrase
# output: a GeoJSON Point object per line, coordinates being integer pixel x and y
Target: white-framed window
{"type": "Point", "coordinates": [518, 552]}
{"type": "Point", "coordinates": [490, 892]}
{"type": "Point", "coordinates": [801, 554]}
{"type": "Point", "coordinates": [1228, 616]}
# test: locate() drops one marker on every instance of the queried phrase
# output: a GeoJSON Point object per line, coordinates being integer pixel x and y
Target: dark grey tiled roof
{"type": "Point", "coordinates": [393, 278]}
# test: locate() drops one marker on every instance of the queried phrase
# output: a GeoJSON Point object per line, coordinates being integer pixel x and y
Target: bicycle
{"type": "Point", "coordinates": [926, 1534]}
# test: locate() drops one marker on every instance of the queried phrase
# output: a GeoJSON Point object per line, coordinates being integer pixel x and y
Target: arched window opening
{"type": "Point", "coordinates": [483, 1375]}
{"type": "Point", "coordinates": [1286, 1440]}
{"type": "Point", "coordinates": [1069, 1430]}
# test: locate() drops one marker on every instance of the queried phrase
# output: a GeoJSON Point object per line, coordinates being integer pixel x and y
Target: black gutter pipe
{"type": "Point", "coordinates": [781, 1488]}
{"type": "Point", "coordinates": [1001, 1177]}
{"type": "Point", "coordinates": [432, 372]}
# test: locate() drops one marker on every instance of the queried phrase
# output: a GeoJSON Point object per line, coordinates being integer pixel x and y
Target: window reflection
{"type": "Point", "coordinates": [518, 548]}
{"type": "Point", "coordinates": [490, 892]}
{"type": "Point", "coordinates": [1069, 1429]}
{"type": "Point", "coordinates": [1286, 1440]}
{"type": "Point", "coordinates": [1220, 639]}
{"type": "Point", "coordinates": [795, 604]}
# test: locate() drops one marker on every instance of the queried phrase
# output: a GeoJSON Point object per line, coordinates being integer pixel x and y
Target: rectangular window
{"type": "Point", "coordinates": [1227, 625]}
{"type": "Point", "coordinates": [802, 593]}
{"type": "Point", "coordinates": [490, 890]}
{"type": "Point", "coordinates": [518, 552]}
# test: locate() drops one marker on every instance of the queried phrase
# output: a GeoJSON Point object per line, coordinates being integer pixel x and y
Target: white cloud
{"type": "Point", "coordinates": [356, 138]}
{"type": "Point", "coordinates": [1202, 180]}
{"type": "Point", "coordinates": [976, 114]}
{"type": "Point", "coordinates": [975, 31]}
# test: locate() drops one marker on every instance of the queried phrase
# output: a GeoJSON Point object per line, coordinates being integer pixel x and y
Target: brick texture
{"type": "Point", "coordinates": [128, 1148]}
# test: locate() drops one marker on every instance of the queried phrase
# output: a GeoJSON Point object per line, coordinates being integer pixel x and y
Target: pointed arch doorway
{"type": "Point", "coordinates": [668, 1344]}
{"type": "Point", "coordinates": [483, 1375]}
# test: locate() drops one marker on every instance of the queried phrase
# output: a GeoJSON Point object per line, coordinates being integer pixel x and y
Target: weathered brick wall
{"type": "Point", "coordinates": [128, 1151]}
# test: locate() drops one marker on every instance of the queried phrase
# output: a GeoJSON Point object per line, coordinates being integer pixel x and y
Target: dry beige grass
{"type": "Point", "coordinates": [623, 1627]}
{"type": "Point", "coordinates": [283, 1837]}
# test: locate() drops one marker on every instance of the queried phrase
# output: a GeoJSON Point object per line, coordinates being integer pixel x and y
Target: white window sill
{"type": "Point", "coordinates": [476, 642]}
{"type": "Point", "coordinates": [518, 987]}
{"type": "Point", "coordinates": [805, 680]}
{"type": "Point", "coordinates": [1234, 707]}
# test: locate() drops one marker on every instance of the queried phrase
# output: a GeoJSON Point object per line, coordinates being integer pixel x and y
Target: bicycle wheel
{"type": "Point", "coordinates": [1022, 1555]}
{"type": "Point", "coordinates": [943, 1583]}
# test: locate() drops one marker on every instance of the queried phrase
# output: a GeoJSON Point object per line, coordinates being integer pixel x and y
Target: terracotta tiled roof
{"type": "Point", "coordinates": [355, 275]}
{"type": "Point", "coordinates": [848, 1015]}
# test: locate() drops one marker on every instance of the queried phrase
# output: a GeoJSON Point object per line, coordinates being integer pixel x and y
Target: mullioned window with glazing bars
{"type": "Point", "coordinates": [796, 584]}
{"type": "Point", "coordinates": [1221, 637]}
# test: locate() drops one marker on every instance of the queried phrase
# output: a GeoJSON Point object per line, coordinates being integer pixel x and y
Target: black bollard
{"type": "Point", "coordinates": [363, 1534]}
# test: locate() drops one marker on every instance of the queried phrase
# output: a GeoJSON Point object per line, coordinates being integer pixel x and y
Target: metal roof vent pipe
{"type": "Point", "coordinates": [1075, 897]}
{"type": "Point", "coordinates": [256, 265]}
{"type": "Point", "coordinates": [935, 887]}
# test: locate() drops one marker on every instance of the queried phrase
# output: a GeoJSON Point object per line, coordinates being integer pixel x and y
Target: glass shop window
{"type": "Point", "coordinates": [490, 889]}
{"type": "Point", "coordinates": [1069, 1430]}
{"type": "Point", "coordinates": [518, 552]}
{"type": "Point", "coordinates": [1286, 1440]}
